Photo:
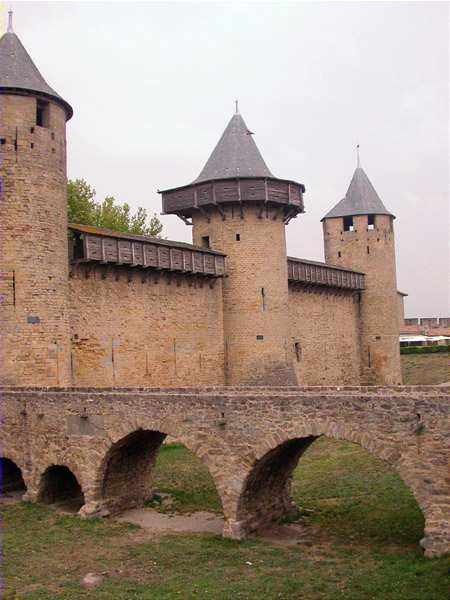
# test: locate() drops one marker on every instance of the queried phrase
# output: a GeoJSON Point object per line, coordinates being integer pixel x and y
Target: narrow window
{"type": "Point", "coordinates": [2, 141]}
{"type": "Point", "coordinates": [205, 241]}
{"type": "Point", "coordinates": [368, 250]}
{"type": "Point", "coordinates": [263, 299]}
{"type": "Point", "coordinates": [348, 224]}
{"type": "Point", "coordinates": [42, 113]}
{"type": "Point", "coordinates": [339, 254]}
{"type": "Point", "coordinates": [259, 337]}
{"type": "Point", "coordinates": [371, 222]}
{"type": "Point", "coordinates": [238, 237]}
{"type": "Point", "coordinates": [298, 351]}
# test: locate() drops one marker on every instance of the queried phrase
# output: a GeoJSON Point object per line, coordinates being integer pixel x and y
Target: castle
{"type": "Point", "coordinates": [111, 342]}
{"type": "Point", "coordinates": [102, 308]}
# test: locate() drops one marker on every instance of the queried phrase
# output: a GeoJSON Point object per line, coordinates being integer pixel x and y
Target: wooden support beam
{"type": "Point", "coordinates": [103, 250]}
{"type": "Point", "coordinates": [240, 199]}
{"type": "Point", "coordinates": [216, 204]}
{"type": "Point", "coordinates": [183, 218]}
{"type": "Point", "coordinates": [205, 214]}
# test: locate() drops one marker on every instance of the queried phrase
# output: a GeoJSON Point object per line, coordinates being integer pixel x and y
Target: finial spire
{"type": "Point", "coordinates": [237, 106]}
{"type": "Point", "coordinates": [358, 161]}
{"type": "Point", "coordinates": [10, 26]}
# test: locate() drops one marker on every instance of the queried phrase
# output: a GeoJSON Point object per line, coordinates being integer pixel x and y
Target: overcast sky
{"type": "Point", "coordinates": [153, 86]}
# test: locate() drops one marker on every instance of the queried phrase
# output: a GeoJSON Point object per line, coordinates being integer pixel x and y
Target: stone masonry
{"type": "Point", "coordinates": [35, 340]}
{"type": "Point", "coordinates": [250, 439]}
{"type": "Point", "coordinates": [122, 311]}
{"type": "Point", "coordinates": [100, 338]}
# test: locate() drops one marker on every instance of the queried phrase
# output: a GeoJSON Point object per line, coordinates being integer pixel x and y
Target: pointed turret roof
{"type": "Point", "coordinates": [236, 155]}
{"type": "Point", "coordinates": [360, 199]}
{"type": "Point", "coordinates": [18, 73]}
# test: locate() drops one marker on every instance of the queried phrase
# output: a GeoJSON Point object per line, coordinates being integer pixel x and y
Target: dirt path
{"type": "Point", "coordinates": [154, 522]}
{"type": "Point", "coordinates": [198, 522]}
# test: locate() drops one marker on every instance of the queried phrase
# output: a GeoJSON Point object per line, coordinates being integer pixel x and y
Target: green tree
{"type": "Point", "coordinates": [85, 210]}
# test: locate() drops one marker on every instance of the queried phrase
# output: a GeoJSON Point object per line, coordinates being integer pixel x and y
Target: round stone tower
{"type": "Point", "coordinates": [238, 207]}
{"type": "Point", "coordinates": [34, 328]}
{"type": "Point", "coordinates": [359, 234]}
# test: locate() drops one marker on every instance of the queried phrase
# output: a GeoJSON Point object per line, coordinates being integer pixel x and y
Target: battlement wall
{"type": "Point", "coordinates": [325, 335]}
{"type": "Point", "coordinates": [426, 325]}
{"type": "Point", "coordinates": [142, 327]}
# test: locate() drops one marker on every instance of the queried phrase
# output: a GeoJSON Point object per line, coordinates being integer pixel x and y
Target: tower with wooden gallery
{"type": "Point", "coordinates": [236, 205]}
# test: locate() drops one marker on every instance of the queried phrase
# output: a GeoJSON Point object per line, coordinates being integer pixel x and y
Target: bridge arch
{"type": "Point", "coordinates": [11, 476]}
{"type": "Point", "coordinates": [59, 484]}
{"type": "Point", "coordinates": [124, 475]}
{"type": "Point", "coordinates": [265, 487]}
{"type": "Point", "coordinates": [126, 470]}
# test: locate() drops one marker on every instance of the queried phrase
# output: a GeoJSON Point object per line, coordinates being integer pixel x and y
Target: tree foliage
{"type": "Point", "coordinates": [85, 210]}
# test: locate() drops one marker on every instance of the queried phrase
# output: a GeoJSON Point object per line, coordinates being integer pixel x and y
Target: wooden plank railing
{"type": "Point", "coordinates": [165, 256]}
{"type": "Point", "coordinates": [306, 272]}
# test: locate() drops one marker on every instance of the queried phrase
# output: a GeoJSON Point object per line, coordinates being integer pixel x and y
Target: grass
{"type": "Point", "coordinates": [362, 544]}
{"type": "Point", "coordinates": [179, 482]}
{"type": "Point", "coordinates": [426, 369]}
{"type": "Point", "coordinates": [361, 541]}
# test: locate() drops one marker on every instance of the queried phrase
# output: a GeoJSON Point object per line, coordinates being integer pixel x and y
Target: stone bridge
{"type": "Point", "coordinates": [102, 443]}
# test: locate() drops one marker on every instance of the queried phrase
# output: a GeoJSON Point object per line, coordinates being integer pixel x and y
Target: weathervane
{"type": "Point", "coordinates": [358, 162]}
{"type": "Point", "coordinates": [10, 26]}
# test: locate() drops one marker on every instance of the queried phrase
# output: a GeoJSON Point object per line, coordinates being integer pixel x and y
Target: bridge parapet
{"type": "Point", "coordinates": [249, 438]}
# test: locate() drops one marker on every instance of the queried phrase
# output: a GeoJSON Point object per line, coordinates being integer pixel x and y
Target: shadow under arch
{"type": "Point", "coordinates": [266, 494]}
{"type": "Point", "coordinates": [266, 490]}
{"type": "Point", "coordinates": [11, 478]}
{"type": "Point", "coordinates": [126, 471]}
{"type": "Point", "coordinates": [125, 477]}
{"type": "Point", "coordinates": [58, 485]}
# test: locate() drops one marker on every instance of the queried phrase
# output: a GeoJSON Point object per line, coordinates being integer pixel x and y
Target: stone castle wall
{"type": "Point", "coordinates": [255, 292]}
{"type": "Point", "coordinates": [401, 310]}
{"type": "Point", "coordinates": [426, 326]}
{"type": "Point", "coordinates": [131, 328]}
{"type": "Point", "coordinates": [121, 326]}
{"type": "Point", "coordinates": [325, 336]}
{"type": "Point", "coordinates": [371, 251]}
{"type": "Point", "coordinates": [34, 327]}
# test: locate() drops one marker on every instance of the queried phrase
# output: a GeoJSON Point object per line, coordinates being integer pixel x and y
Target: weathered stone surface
{"type": "Point", "coordinates": [371, 251]}
{"type": "Point", "coordinates": [251, 456]}
{"type": "Point", "coordinates": [34, 269]}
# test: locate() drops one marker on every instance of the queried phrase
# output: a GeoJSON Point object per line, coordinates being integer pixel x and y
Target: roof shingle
{"type": "Point", "coordinates": [19, 73]}
{"type": "Point", "coordinates": [236, 155]}
{"type": "Point", "coordinates": [360, 199]}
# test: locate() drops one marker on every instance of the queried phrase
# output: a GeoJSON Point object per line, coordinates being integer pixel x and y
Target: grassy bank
{"type": "Point", "coordinates": [425, 369]}
{"type": "Point", "coordinates": [360, 542]}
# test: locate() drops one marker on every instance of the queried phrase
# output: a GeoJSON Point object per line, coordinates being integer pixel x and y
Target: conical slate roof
{"type": "Point", "coordinates": [236, 155]}
{"type": "Point", "coordinates": [360, 199]}
{"type": "Point", "coordinates": [19, 73]}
